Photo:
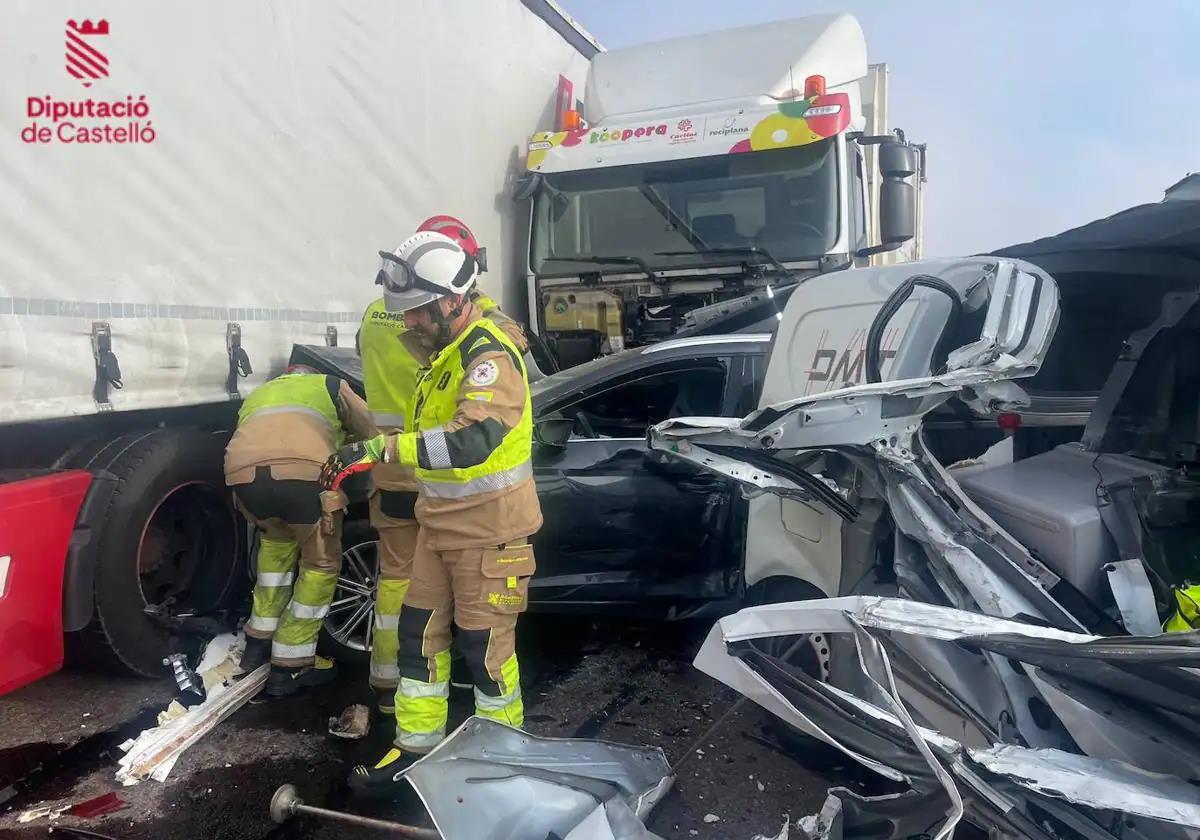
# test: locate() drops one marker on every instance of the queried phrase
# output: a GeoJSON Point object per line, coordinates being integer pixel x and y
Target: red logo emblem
{"type": "Point", "coordinates": [85, 61]}
{"type": "Point", "coordinates": [684, 125]}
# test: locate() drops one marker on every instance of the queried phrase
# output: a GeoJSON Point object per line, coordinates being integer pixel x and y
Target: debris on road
{"type": "Point", "coordinates": [173, 711]}
{"type": "Point", "coordinates": [97, 806]}
{"type": "Point", "coordinates": [353, 723]}
{"type": "Point", "coordinates": [286, 804]}
{"type": "Point", "coordinates": [711, 818]}
{"type": "Point", "coordinates": [153, 753]}
{"type": "Point", "coordinates": [574, 788]}
{"type": "Point", "coordinates": [43, 811]}
{"type": "Point", "coordinates": [783, 834]}
{"type": "Point", "coordinates": [191, 687]}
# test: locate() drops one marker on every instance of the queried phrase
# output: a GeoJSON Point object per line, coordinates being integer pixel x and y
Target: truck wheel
{"type": "Point", "coordinates": [169, 536]}
{"type": "Point", "coordinates": [346, 635]}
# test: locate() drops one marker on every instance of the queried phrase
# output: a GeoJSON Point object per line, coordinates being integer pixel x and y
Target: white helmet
{"type": "Point", "coordinates": [426, 266]}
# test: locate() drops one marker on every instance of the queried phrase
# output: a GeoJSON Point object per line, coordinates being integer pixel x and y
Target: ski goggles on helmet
{"type": "Point", "coordinates": [404, 289]}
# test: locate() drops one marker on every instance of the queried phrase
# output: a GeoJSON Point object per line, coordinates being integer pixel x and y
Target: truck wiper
{"type": "Point", "coordinates": [745, 250]}
{"type": "Point", "coordinates": [638, 261]}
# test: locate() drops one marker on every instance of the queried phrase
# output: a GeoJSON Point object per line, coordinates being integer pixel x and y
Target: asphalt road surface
{"type": "Point", "coordinates": [621, 681]}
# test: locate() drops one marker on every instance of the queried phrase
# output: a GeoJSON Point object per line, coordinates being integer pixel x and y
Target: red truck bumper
{"type": "Point", "coordinates": [37, 518]}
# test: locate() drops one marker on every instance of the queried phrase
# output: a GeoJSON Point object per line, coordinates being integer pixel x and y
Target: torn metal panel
{"type": "Point", "coordinates": [1104, 785]}
{"type": "Point", "coordinates": [883, 729]}
{"type": "Point", "coordinates": [876, 666]}
{"type": "Point", "coordinates": [614, 820]}
{"type": "Point", "coordinates": [929, 620]}
{"type": "Point", "coordinates": [489, 781]}
{"type": "Point", "coordinates": [1140, 739]}
{"type": "Point", "coordinates": [714, 660]}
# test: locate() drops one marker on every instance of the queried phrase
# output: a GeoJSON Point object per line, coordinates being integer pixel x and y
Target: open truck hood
{"type": "Point", "coordinates": [989, 685]}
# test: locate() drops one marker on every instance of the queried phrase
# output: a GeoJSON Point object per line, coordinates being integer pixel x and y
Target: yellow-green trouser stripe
{"type": "Point", "coordinates": [507, 708]}
{"type": "Point", "coordinates": [296, 637]}
{"type": "Point", "coordinates": [421, 707]}
{"type": "Point", "coordinates": [273, 587]}
{"type": "Point", "coordinates": [385, 643]}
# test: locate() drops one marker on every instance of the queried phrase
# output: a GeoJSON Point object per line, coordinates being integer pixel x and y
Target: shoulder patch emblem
{"type": "Point", "coordinates": [484, 373]}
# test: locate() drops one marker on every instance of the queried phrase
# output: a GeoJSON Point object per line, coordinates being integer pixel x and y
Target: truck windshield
{"type": "Point", "coordinates": [784, 201]}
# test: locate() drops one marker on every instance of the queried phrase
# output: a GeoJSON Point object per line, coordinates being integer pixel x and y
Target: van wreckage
{"type": "Point", "coordinates": [994, 642]}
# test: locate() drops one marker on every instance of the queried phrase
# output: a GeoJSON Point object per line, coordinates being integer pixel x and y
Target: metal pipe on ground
{"type": "Point", "coordinates": [285, 804]}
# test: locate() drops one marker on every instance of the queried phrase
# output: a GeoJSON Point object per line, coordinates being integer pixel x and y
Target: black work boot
{"type": "Point", "coordinates": [383, 781]}
{"type": "Point", "coordinates": [385, 703]}
{"type": "Point", "coordinates": [257, 654]}
{"type": "Point", "coordinates": [383, 714]}
{"type": "Point", "coordinates": [284, 681]}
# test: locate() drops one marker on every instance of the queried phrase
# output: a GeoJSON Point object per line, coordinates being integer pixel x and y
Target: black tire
{"type": "Point", "coordinates": [355, 534]}
{"type": "Point", "coordinates": [170, 532]}
{"type": "Point", "coordinates": [811, 752]}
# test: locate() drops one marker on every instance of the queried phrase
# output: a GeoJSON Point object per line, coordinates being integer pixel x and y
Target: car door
{"type": "Point", "coordinates": [629, 528]}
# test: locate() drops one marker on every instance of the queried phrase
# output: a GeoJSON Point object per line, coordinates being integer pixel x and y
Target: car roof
{"type": "Point", "coordinates": [761, 339]}
{"type": "Point", "coordinates": [559, 385]}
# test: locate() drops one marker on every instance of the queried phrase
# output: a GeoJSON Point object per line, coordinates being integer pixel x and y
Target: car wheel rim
{"type": "Point", "coordinates": [807, 651]}
{"type": "Point", "coordinates": [351, 614]}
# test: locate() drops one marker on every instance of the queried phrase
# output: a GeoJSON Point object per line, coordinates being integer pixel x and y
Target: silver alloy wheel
{"type": "Point", "coordinates": [351, 619]}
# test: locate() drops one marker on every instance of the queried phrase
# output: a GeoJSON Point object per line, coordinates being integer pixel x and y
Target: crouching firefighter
{"type": "Point", "coordinates": [468, 439]}
{"type": "Point", "coordinates": [286, 430]}
{"type": "Point", "coordinates": [392, 356]}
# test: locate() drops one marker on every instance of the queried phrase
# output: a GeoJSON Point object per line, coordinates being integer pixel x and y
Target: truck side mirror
{"type": "Point", "coordinates": [527, 186]}
{"type": "Point", "coordinates": [897, 160]}
{"type": "Point", "coordinates": [897, 197]}
{"type": "Point", "coordinates": [897, 212]}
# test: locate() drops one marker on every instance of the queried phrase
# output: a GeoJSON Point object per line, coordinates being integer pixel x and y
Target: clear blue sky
{"type": "Point", "coordinates": [1039, 116]}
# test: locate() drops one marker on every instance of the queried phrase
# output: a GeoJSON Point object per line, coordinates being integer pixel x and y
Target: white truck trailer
{"type": "Point", "coordinates": [709, 169]}
{"type": "Point", "coordinates": [186, 190]}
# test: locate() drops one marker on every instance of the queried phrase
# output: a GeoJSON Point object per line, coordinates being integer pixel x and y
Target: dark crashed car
{"type": "Point", "coordinates": [627, 530]}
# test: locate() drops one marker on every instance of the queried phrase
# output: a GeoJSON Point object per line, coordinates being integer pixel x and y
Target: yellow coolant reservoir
{"type": "Point", "coordinates": [590, 310]}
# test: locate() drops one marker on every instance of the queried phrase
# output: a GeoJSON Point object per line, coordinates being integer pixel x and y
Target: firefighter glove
{"type": "Point", "coordinates": [350, 459]}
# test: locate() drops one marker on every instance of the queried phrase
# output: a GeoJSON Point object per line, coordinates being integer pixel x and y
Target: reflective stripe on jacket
{"type": "Point", "coordinates": [312, 394]}
{"type": "Point", "coordinates": [485, 453]}
{"type": "Point", "coordinates": [391, 365]}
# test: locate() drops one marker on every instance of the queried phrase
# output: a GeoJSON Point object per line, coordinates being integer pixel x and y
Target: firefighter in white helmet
{"type": "Point", "coordinates": [468, 438]}
{"type": "Point", "coordinates": [392, 357]}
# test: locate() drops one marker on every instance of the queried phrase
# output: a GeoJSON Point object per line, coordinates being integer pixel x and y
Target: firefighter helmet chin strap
{"type": "Point", "coordinates": [445, 322]}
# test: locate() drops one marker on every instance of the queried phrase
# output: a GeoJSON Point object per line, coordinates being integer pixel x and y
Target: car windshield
{"type": "Point", "coordinates": [784, 201]}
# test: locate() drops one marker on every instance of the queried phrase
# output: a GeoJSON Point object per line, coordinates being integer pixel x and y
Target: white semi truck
{"type": "Point", "coordinates": [701, 174]}
{"type": "Point", "coordinates": [187, 190]}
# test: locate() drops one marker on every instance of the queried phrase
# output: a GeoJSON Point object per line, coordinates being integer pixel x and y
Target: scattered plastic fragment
{"type": "Point", "coordinates": [44, 811]}
{"type": "Point", "coordinates": [153, 753]}
{"type": "Point", "coordinates": [172, 711]}
{"type": "Point", "coordinates": [97, 806]}
{"type": "Point", "coordinates": [353, 723]}
{"type": "Point", "coordinates": [711, 818]}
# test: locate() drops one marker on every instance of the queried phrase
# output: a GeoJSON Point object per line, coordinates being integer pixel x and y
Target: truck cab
{"type": "Point", "coordinates": [703, 170]}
